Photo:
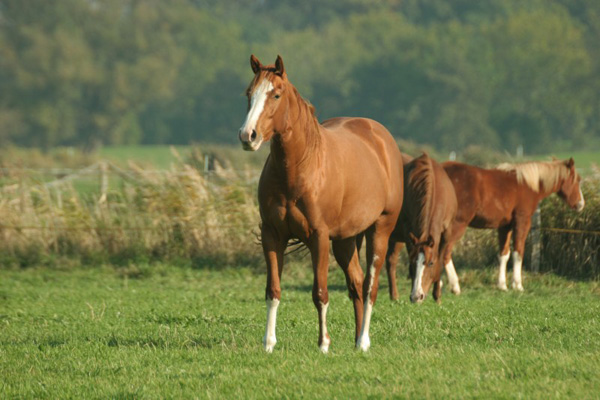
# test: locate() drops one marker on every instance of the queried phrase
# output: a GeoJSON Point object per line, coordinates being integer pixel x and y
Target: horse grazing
{"type": "Point", "coordinates": [505, 198]}
{"type": "Point", "coordinates": [424, 225]}
{"type": "Point", "coordinates": [321, 182]}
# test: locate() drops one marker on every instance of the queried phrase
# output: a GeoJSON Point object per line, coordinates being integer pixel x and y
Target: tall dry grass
{"type": "Point", "coordinates": [212, 220]}
{"type": "Point", "coordinates": [571, 240]}
{"type": "Point", "coordinates": [178, 214]}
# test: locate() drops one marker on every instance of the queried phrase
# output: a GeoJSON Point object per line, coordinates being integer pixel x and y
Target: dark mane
{"type": "Point", "coordinates": [420, 180]}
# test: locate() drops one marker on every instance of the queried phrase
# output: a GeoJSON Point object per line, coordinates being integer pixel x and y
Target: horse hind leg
{"type": "Point", "coordinates": [319, 248]}
{"type": "Point", "coordinates": [377, 242]}
{"type": "Point", "coordinates": [346, 254]}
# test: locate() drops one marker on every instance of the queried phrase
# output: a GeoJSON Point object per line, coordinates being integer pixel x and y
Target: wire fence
{"type": "Point", "coordinates": [208, 204]}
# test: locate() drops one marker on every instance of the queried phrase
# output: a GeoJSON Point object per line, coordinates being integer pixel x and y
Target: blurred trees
{"type": "Point", "coordinates": [450, 73]}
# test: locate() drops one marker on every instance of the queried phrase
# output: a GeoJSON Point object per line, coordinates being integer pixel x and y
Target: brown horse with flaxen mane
{"type": "Point", "coordinates": [504, 199]}
{"type": "Point", "coordinates": [321, 182]}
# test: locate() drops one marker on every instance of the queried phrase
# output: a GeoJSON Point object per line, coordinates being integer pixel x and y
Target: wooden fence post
{"type": "Point", "coordinates": [536, 243]}
{"type": "Point", "coordinates": [103, 181]}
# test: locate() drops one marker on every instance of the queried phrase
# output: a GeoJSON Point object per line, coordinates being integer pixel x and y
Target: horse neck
{"type": "Point", "coordinates": [296, 152]}
{"type": "Point", "coordinates": [545, 192]}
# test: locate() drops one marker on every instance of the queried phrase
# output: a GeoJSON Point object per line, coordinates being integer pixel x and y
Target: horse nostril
{"type": "Point", "coordinates": [253, 135]}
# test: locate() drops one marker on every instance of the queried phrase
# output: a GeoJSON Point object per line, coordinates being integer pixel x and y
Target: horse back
{"type": "Point", "coordinates": [487, 198]}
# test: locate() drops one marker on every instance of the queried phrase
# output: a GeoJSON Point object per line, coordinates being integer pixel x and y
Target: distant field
{"type": "Point", "coordinates": [162, 156]}
{"type": "Point", "coordinates": [583, 159]}
{"type": "Point", "coordinates": [181, 333]}
{"type": "Point", "coordinates": [159, 157]}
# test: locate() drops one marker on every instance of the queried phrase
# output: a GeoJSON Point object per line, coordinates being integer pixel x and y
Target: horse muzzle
{"type": "Point", "coordinates": [251, 141]}
{"type": "Point", "coordinates": [417, 297]}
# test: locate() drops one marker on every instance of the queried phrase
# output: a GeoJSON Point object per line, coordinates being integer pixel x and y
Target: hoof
{"type": "Point", "coordinates": [364, 343]}
{"type": "Point", "coordinates": [517, 286]}
{"type": "Point", "coordinates": [269, 344]}
{"type": "Point", "coordinates": [455, 290]}
{"type": "Point", "coordinates": [502, 286]}
{"type": "Point", "coordinates": [324, 346]}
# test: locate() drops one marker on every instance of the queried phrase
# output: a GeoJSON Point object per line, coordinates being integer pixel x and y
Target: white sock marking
{"type": "Point", "coordinates": [503, 259]}
{"type": "Point", "coordinates": [325, 343]}
{"type": "Point", "coordinates": [269, 340]}
{"type": "Point", "coordinates": [257, 104]}
{"type": "Point", "coordinates": [452, 277]}
{"type": "Point", "coordinates": [364, 342]}
{"type": "Point", "coordinates": [517, 263]}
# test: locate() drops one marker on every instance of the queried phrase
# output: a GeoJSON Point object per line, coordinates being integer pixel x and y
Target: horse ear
{"type": "Point", "coordinates": [413, 238]}
{"type": "Point", "coordinates": [255, 64]}
{"type": "Point", "coordinates": [279, 69]}
{"type": "Point", "coordinates": [570, 163]}
{"type": "Point", "coordinates": [430, 241]}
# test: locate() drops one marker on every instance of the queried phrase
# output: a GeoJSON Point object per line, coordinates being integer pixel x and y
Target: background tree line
{"type": "Point", "coordinates": [449, 73]}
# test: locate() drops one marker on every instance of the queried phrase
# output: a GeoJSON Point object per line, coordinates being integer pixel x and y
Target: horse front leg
{"type": "Point", "coordinates": [455, 234]}
{"type": "Point", "coordinates": [319, 248]}
{"type": "Point", "coordinates": [521, 231]}
{"type": "Point", "coordinates": [504, 235]}
{"type": "Point", "coordinates": [273, 249]}
{"type": "Point", "coordinates": [391, 260]}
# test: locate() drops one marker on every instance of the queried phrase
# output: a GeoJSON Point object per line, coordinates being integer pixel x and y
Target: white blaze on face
{"type": "Point", "coordinates": [257, 105]}
{"type": "Point", "coordinates": [417, 289]}
{"type": "Point", "coordinates": [581, 202]}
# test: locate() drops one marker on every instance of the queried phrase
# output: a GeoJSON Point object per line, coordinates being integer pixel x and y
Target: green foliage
{"type": "Point", "coordinates": [446, 73]}
{"type": "Point", "coordinates": [155, 331]}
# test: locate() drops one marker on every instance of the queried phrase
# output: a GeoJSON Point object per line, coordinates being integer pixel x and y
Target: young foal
{"type": "Point", "coordinates": [424, 224]}
{"type": "Point", "coordinates": [505, 199]}
{"type": "Point", "coordinates": [321, 182]}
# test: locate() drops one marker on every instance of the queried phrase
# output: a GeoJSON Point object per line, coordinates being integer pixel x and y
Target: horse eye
{"type": "Point", "coordinates": [277, 96]}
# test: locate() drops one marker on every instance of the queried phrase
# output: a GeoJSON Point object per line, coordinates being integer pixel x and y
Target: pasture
{"type": "Point", "coordinates": [143, 295]}
{"type": "Point", "coordinates": [177, 332]}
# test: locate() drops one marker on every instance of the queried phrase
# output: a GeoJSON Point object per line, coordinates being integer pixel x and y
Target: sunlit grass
{"type": "Point", "coordinates": [182, 333]}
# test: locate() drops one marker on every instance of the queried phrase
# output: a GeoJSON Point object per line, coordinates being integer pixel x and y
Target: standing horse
{"type": "Point", "coordinates": [424, 225]}
{"type": "Point", "coordinates": [320, 183]}
{"type": "Point", "coordinates": [505, 198]}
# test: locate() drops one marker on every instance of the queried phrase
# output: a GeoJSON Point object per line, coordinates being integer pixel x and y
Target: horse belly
{"type": "Point", "coordinates": [358, 211]}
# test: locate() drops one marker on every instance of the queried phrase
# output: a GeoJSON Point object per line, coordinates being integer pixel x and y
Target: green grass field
{"type": "Point", "coordinates": [180, 333]}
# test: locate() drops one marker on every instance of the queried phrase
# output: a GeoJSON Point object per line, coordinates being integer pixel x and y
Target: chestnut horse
{"type": "Point", "coordinates": [321, 182]}
{"type": "Point", "coordinates": [505, 198]}
{"type": "Point", "coordinates": [424, 225]}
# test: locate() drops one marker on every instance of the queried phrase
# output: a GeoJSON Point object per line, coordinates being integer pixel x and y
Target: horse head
{"type": "Point", "coordinates": [570, 190]}
{"type": "Point", "coordinates": [423, 259]}
{"type": "Point", "coordinates": [267, 104]}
